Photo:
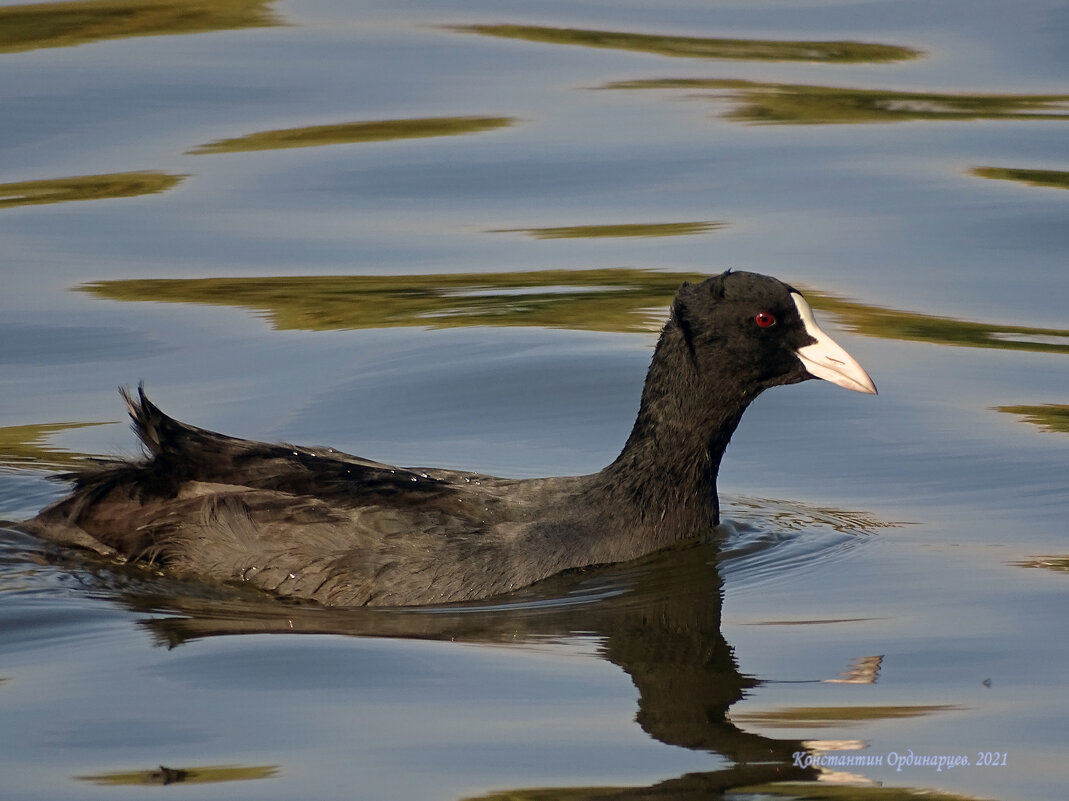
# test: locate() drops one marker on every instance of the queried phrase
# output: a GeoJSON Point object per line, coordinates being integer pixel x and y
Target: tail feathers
{"type": "Point", "coordinates": [146, 417]}
{"type": "Point", "coordinates": [159, 432]}
{"type": "Point", "coordinates": [175, 453]}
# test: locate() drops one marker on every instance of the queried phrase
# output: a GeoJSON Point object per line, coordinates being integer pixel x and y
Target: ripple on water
{"type": "Point", "coordinates": [44, 604]}
{"type": "Point", "coordinates": [772, 540]}
{"type": "Point", "coordinates": [24, 493]}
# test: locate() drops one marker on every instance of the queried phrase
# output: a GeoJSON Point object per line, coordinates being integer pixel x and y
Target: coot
{"type": "Point", "coordinates": [317, 524]}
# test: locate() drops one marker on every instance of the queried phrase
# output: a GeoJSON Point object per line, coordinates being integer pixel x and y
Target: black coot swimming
{"type": "Point", "coordinates": [318, 524]}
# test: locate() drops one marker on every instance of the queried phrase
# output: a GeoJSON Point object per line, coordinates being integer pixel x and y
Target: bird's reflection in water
{"type": "Point", "coordinates": [657, 618]}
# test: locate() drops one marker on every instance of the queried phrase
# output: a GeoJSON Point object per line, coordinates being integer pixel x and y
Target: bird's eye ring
{"type": "Point", "coordinates": [765, 319]}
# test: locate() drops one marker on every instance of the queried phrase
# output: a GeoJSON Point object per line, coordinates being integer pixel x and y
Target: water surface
{"type": "Point", "coordinates": [447, 234]}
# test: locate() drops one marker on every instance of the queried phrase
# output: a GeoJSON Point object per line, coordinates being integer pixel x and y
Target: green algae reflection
{"type": "Point", "coordinates": [620, 300]}
{"type": "Point", "coordinates": [351, 132]}
{"type": "Point", "coordinates": [700, 47]}
{"type": "Point", "coordinates": [37, 25]}
{"type": "Point", "coordinates": [1056, 179]}
{"type": "Point", "coordinates": [618, 230]}
{"type": "Point", "coordinates": [799, 104]}
{"type": "Point", "coordinates": [27, 447]}
{"type": "Point", "coordinates": [86, 187]}
{"type": "Point", "coordinates": [875, 321]}
{"type": "Point", "coordinates": [596, 300]}
{"type": "Point", "coordinates": [1059, 564]}
{"type": "Point", "coordinates": [1048, 416]}
{"type": "Point", "coordinates": [210, 774]}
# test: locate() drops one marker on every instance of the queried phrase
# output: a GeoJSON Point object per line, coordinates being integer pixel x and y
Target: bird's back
{"type": "Point", "coordinates": [304, 522]}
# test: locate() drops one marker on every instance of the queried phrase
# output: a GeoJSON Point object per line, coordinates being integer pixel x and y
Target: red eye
{"type": "Point", "coordinates": [765, 319]}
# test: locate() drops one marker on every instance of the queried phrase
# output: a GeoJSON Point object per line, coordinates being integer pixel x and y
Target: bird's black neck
{"type": "Point", "coordinates": [665, 476]}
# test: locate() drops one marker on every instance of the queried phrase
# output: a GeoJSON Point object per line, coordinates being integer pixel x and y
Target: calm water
{"type": "Point", "coordinates": [324, 176]}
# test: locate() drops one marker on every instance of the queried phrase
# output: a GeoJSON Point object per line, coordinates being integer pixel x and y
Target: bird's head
{"type": "Point", "coordinates": [761, 332]}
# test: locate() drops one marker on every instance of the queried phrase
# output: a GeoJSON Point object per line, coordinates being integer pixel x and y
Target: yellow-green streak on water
{"type": "Point", "coordinates": [1048, 416]}
{"type": "Point", "coordinates": [86, 187]}
{"type": "Point", "coordinates": [876, 321]}
{"type": "Point", "coordinates": [621, 300]}
{"type": "Point", "coordinates": [1057, 179]}
{"type": "Point", "coordinates": [797, 104]}
{"type": "Point", "coordinates": [197, 775]}
{"type": "Point", "coordinates": [27, 446]}
{"type": "Point", "coordinates": [352, 132]}
{"type": "Point", "coordinates": [32, 26]}
{"type": "Point", "coordinates": [597, 300]}
{"type": "Point", "coordinates": [699, 47]}
{"type": "Point", "coordinates": [1059, 564]}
